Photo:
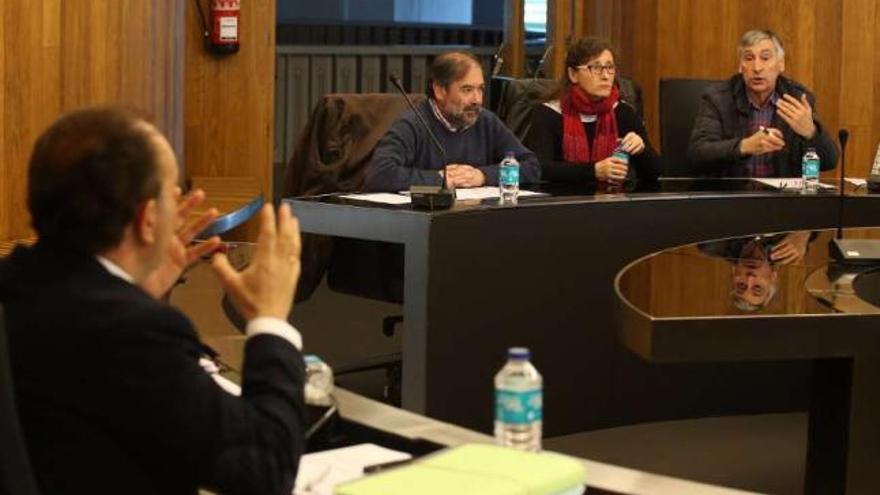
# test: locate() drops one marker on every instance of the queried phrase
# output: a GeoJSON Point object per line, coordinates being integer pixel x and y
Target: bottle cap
{"type": "Point", "coordinates": [519, 353]}
{"type": "Point", "coordinates": [311, 359]}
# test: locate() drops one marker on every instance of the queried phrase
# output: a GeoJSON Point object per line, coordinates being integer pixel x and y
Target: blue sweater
{"type": "Point", "coordinates": [405, 156]}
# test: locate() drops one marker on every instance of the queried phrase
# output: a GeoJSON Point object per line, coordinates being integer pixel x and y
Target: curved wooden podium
{"type": "Point", "coordinates": [815, 317]}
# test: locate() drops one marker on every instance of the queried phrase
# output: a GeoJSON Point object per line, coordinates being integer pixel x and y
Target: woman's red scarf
{"type": "Point", "coordinates": [575, 146]}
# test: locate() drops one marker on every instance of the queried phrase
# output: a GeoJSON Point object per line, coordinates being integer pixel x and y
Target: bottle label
{"type": "Point", "coordinates": [508, 175]}
{"type": "Point", "coordinates": [811, 167]}
{"type": "Point", "coordinates": [518, 407]}
{"type": "Point", "coordinates": [621, 155]}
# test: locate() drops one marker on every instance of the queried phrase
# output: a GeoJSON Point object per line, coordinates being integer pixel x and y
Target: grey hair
{"type": "Point", "coordinates": [747, 307]}
{"type": "Point", "coordinates": [751, 38]}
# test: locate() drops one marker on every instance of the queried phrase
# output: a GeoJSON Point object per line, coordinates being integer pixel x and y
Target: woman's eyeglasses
{"type": "Point", "coordinates": [596, 69]}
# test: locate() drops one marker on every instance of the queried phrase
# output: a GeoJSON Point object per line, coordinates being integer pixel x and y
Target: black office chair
{"type": "Point", "coordinates": [679, 102]}
{"type": "Point", "coordinates": [513, 99]}
{"type": "Point", "coordinates": [16, 475]}
{"type": "Point", "coordinates": [331, 156]}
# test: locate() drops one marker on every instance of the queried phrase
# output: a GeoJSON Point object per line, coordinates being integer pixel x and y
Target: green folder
{"type": "Point", "coordinates": [475, 469]}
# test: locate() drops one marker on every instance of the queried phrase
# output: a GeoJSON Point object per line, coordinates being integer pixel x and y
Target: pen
{"type": "Point", "coordinates": [375, 468]}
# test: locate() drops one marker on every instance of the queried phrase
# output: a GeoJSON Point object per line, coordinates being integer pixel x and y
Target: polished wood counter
{"type": "Point", "coordinates": [482, 277]}
{"type": "Point", "coordinates": [805, 312]}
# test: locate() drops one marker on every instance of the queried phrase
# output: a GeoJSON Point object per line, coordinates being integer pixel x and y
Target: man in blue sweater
{"type": "Point", "coordinates": [475, 140]}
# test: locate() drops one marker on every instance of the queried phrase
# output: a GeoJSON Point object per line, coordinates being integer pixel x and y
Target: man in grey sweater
{"type": "Point", "coordinates": [475, 140]}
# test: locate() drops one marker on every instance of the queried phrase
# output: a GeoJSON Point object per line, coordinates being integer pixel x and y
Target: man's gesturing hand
{"type": "Point", "coordinates": [267, 285]}
{"type": "Point", "coordinates": [181, 251]}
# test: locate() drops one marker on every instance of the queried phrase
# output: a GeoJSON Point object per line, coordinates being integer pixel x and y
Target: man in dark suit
{"type": "Point", "coordinates": [112, 395]}
{"type": "Point", "coordinates": [758, 123]}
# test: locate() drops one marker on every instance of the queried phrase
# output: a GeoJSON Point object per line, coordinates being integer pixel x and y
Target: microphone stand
{"type": "Point", "coordinates": [540, 67]}
{"type": "Point", "coordinates": [498, 61]}
{"type": "Point", "coordinates": [439, 197]}
{"type": "Point", "coordinates": [843, 137]}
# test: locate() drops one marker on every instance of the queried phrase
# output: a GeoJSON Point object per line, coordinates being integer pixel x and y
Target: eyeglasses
{"type": "Point", "coordinates": [596, 69]}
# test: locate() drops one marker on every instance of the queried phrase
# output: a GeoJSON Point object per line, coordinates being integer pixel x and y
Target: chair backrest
{"type": "Point", "coordinates": [513, 99]}
{"type": "Point", "coordinates": [679, 102]}
{"type": "Point", "coordinates": [16, 476]}
{"type": "Point", "coordinates": [331, 155]}
{"type": "Point", "coordinates": [337, 142]}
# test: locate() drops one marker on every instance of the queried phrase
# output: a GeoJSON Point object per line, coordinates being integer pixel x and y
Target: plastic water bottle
{"type": "Point", "coordinates": [810, 167]}
{"type": "Point", "coordinates": [621, 154]}
{"type": "Point", "coordinates": [508, 179]}
{"type": "Point", "coordinates": [319, 381]}
{"type": "Point", "coordinates": [519, 402]}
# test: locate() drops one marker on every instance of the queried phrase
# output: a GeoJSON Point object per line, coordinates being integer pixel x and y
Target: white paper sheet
{"type": "Point", "coordinates": [486, 192]}
{"type": "Point", "coordinates": [384, 198]}
{"type": "Point", "coordinates": [319, 473]}
{"type": "Point", "coordinates": [857, 182]}
{"type": "Point", "coordinates": [790, 183]}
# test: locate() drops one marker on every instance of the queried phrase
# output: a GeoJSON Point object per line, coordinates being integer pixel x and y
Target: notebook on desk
{"type": "Point", "coordinates": [477, 469]}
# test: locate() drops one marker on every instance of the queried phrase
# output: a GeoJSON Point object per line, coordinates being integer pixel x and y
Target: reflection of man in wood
{"type": "Point", "coordinates": [754, 278]}
{"type": "Point", "coordinates": [755, 262]}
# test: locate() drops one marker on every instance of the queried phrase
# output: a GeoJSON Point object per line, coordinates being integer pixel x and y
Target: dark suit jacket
{"type": "Point", "coordinates": [112, 397]}
{"type": "Point", "coordinates": [722, 122]}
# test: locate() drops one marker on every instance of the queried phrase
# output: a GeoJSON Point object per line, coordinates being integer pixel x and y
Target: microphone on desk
{"type": "Point", "coordinates": [850, 251]}
{"type": "Point", "coordinates": [428, 197]}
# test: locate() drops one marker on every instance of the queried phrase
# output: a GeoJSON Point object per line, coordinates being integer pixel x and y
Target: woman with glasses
{"type": "Point", "coordinates": [575, 133]}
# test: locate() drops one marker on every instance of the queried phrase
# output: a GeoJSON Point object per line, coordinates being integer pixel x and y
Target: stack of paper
{"type": "Point", "coordinates": [320, 472]}
{"type": "Point", "coordinates": [477, 469]}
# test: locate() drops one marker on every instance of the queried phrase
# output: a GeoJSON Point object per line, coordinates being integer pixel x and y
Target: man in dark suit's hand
{"type": "Point", "coordinates": [267, 285]}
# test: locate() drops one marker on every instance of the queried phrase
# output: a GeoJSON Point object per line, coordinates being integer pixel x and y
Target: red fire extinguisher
{"type": "Point", "coordinates": [223, 34]}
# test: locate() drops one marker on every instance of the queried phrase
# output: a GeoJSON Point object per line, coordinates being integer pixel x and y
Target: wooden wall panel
{"type": "Point", "coordinates": [229, 100]}
{"type": "Point", "coordinates": [874, 141]}
{"type": "Point", "coordinates": [59, 55]}
{"type": "Point", "coordinates": [514, 38]}
{"type": "Point", "coordinates": [828, 42]}
{"type": "Point", "coordinates": [559, 36]}
{"type": "Point", "coordinates": [832, 46]}
{"type": "Point", "coordinates": [860, 77]}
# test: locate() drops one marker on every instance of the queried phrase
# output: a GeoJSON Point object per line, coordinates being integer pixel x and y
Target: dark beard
{"type": "Point", "coordinates": [461, 119]}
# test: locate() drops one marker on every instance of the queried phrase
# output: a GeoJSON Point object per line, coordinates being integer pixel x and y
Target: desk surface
{"type": "Point", "coordinates": [730, 277]}
{"type": "Point", "coordinates": [412, 426]}
{"type": "Point", "coordinates": [666, 189]}
{"type": "Point", "coordinates": [552, 262]}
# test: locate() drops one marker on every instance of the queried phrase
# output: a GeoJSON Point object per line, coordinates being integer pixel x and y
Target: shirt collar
{"type": "Point", "coordinates": [770, 101]}
{"type": "Point", "coordinates": [115, 269]}
{"type": "Point", "coordinates": [448, 125]}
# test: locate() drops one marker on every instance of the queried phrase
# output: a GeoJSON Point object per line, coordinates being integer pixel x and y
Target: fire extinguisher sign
{"type": "Point", "coordinates": [228, 28]}
{"type": "Point", "coordinates": [225, 15]}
